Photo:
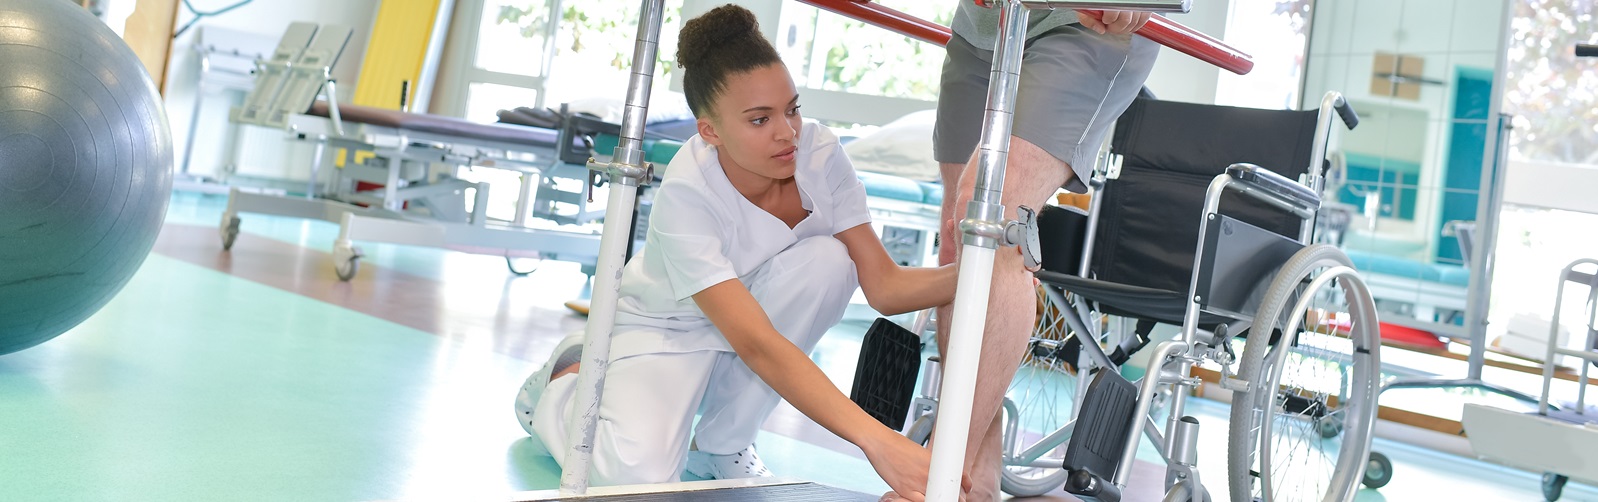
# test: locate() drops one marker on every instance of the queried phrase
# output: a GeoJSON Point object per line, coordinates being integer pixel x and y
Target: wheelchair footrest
{"type": "Point", "coordinates": [885, 376]}
{"type": "Point", "coordinates": [1102, 430]}
{"type": "Point", "coordinates": [1092, 488]}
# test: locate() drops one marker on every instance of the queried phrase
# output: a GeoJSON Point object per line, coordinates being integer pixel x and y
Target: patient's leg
{"type": "Point", "coordinates": [1032, 175]}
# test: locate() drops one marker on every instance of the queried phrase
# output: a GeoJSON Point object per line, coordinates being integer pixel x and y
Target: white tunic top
{"type": "Point", "coordinates": [702, 232]}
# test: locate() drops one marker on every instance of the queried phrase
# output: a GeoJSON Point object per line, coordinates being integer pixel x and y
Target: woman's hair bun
{"type": "Point", "coordinates": [724, 26]}
{"type": "Point", "coordinates": [716, 46]}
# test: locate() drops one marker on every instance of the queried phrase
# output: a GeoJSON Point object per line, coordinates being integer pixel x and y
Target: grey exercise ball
{"type": "Point", "coordinates": [85, 168]}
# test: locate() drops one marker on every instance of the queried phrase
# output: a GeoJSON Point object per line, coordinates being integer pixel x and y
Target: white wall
{"type": "Point", "coordinates": [1179, 77]}
{"type": "Point", "coordinates": [263, 153]}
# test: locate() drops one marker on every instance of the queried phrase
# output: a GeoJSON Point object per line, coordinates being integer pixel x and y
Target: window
{"type": "Point", "coordinates": [542, 53]}
{"type": "Point", "coordinates": [484, 100]}
{"type": "Point", "coordinates": [512, 36]}
{"type": "Point", "coordinates": [1554, 98]}
{"type": "Point", "coordinates": [1274, 33]}
{"type": "Point", "coordinates": [510, 49]}
{"type": "Point", "coordinates": [1553, 95]}
{"type": "Point", "coordinates": [859, 58]}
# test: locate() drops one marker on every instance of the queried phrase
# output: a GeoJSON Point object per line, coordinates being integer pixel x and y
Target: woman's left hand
{"type": "Point", "coordinates": [903, 464]}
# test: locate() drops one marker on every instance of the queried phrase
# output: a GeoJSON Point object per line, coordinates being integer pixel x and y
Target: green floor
{"type": "Point", "coordinates": [193, 384]}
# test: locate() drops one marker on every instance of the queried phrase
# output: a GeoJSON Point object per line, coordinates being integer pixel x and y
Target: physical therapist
{"type": "Point", "coordinates": [758, 238]}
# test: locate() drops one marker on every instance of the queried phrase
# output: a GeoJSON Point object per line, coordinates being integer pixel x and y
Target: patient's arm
{"type": "Point", "coordinates": [789, 371]}
{"type": "Point", "coordinates": [890, 288]}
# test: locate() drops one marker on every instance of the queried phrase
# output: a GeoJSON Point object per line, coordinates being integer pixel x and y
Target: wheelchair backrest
{"type": "Point", "coordinates": [1149, 218]}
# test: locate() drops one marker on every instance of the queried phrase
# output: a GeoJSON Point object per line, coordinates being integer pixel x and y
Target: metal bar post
{"type": "Point", "coordinates": [627, 172]}
{"type": "Point", "coordinates": [194, 117]}
{"type": "Point", "coordinates": [958, 394]}
{"type": "Point", "coordinates": [1163, 353]}
{"type": "Point", "coordinates": [1477, 296]}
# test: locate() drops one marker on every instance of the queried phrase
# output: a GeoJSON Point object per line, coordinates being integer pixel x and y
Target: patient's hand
{"type": "Point", "coordinates": [1115, 21]}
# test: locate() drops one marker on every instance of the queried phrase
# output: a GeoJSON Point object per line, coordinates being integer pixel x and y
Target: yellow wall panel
{"type": "Point", "coordinates": [396, 51]}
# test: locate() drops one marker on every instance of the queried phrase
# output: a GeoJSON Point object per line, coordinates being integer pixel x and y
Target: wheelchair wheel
{"type": "Point", "coordinates": [1302, 430]}
{"type": "Point", "coordinates": [1038, 404]}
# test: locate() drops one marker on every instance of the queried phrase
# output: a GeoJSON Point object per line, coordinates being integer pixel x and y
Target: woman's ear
{"type": "Point", "coordinates": [707, 132]}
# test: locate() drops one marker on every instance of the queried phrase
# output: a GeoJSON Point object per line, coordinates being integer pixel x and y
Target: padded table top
{"type": "Point", "coordinates": [448, 126]}
{"type": "Point", "coordinates": [905, 189]}
{"type": "Point", "coordinates": [1453, 275]}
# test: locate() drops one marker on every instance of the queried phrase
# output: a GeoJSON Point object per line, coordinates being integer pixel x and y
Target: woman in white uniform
{"type": "Point", "coordinates": [758, 237]}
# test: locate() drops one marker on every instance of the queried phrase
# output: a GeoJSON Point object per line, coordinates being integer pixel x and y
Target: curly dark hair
{"type": "Point", "coordinates": [718, 44]}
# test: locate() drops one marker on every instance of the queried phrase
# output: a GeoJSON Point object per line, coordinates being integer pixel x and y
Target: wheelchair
{"type": "Point", "coordinates": [1244, 277]}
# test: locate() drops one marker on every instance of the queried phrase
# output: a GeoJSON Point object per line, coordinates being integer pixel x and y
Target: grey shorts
{"type": "Point", "coordinates": [1074, 84]}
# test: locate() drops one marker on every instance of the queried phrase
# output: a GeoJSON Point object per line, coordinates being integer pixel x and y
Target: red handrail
{"type": "Point", "coordinates": [892, 20]}
{"type": "Point", "coordinates": [1191, 42]}
{"type": "Point", "coordinates": [1159, 29]}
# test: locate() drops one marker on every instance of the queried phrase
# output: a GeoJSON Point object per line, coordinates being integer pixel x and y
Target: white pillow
{"type": "Point", "coordinates": [664, 106]}
{"type": "Point", "coordinates": [902, 148]}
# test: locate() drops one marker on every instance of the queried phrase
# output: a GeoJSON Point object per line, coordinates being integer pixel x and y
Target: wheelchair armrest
{"type": "Point", "coordinates": [1274, 184]}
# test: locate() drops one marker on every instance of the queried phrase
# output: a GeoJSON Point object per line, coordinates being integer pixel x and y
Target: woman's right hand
{"type": "Point", "coordinates": [903, 464]}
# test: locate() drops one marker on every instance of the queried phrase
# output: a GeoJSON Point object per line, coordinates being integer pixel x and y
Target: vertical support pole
{"type": "Point", "coordinates": [1495, 158]}
{"type": "Point", "coordinates": [479, 217]}
{"type": "Point", "coordinates": [524, 198]}
{"type": "Point", "coordinates": [627, 172]}
{"type": "Point", "coordinates": [316, 167]}
{"type": "Point", "coordinates": [985, 212]}
{"type": "Point", "coordinates": [194, 117]}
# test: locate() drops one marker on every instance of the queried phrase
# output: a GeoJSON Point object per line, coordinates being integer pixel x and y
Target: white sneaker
{"type": "Point", "coordinates": [744, 464]}
{"type": "Point", "coordinates": [567, 352]}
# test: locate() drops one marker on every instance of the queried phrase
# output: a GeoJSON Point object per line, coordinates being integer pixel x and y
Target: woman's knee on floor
{"type": "Point", "coordinates": [633, 461]}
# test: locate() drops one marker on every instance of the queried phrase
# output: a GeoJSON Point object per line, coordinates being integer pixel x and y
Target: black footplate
{"type": "Point", "coordinates": [885, 376]}
{"type": "Point", "coordinates": [1102, 429]}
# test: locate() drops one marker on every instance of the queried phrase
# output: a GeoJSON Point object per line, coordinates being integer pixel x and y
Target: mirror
{"type": "Point", "coordinates": [1421, 74]}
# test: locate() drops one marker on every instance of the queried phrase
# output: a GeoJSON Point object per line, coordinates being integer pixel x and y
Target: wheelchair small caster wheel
{"type": "Point", "coordinates": [921, 430]}
{"type": "Point", "coordinates": [1553, 486]}
{"type": "Point", "coordinates": [1378, 471]}
{"type": "Point", "coordinates": [1330, 427]}
{"type": "Point", "coordinates": [346, 261]}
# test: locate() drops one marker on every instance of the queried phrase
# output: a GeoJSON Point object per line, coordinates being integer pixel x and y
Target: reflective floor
{"type": "Point", "coordinates": [256, 375]}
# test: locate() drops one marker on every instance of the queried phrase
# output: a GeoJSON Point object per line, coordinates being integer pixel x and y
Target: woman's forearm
{"type": "Point", "coordinates": [797, 379]}
{"type": "Point", "coordinates": [784, 367]}
{"type": "Point", "coordinates": [908, 289]}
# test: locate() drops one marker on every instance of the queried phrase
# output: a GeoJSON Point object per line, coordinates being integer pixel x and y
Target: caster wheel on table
{"type": "Point", "coordinates": [1553, 486]}
{"type": "Point", "coordinates": [346, 262]}
{"type": "Point", "coordinates": [230, 233]}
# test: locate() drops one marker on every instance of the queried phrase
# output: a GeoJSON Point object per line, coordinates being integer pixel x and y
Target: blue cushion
{"type": "Point", "coordinates": [933, 191]}
{"type": "Point", "coordinates": [1453, 275]}
{"type": "Point", "coordinates": [891, 187]}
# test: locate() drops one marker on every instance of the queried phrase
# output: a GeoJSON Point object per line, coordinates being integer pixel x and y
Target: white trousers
{"type": "Point", "coordinates": [650, 400]}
